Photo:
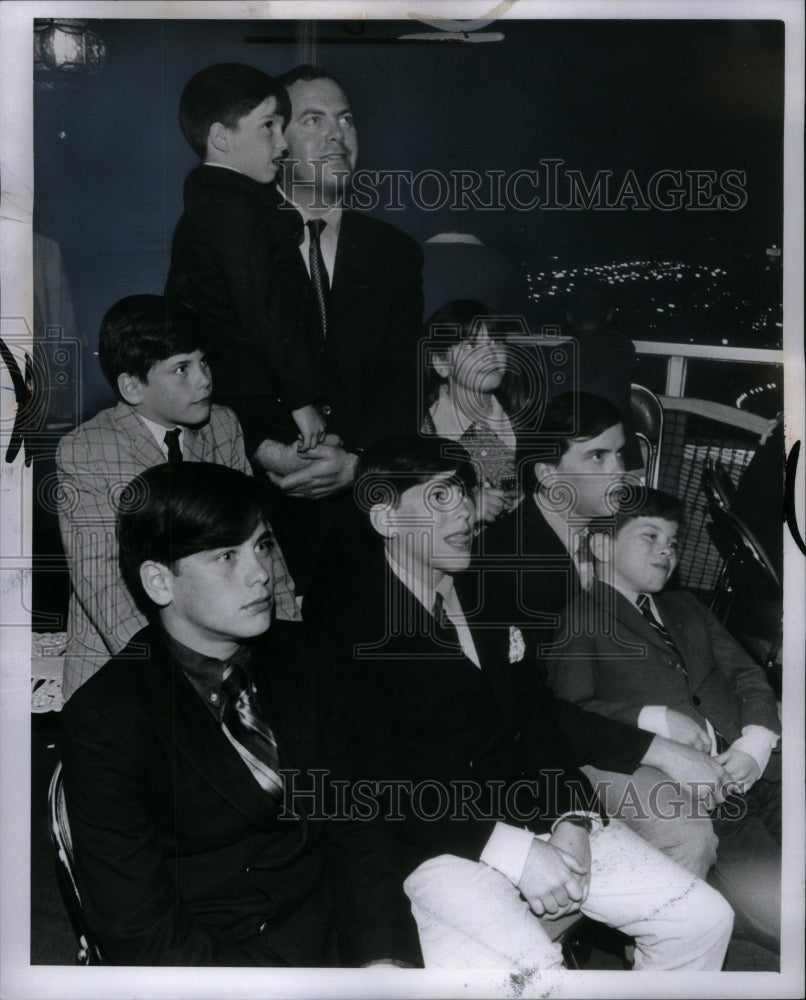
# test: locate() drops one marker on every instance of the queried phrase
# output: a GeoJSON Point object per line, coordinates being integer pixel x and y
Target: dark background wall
{"type": "Point", "coordinates": [615, 95]}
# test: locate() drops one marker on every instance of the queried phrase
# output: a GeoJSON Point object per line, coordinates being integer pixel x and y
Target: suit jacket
{"type": "Point", "coordinates": [94, 462]}
{"type": "Point", "coordinates": [424, 714]}
{"type": "Point", "coordinates": [236, 260]}
{"type": "Point", "coordinates": [522, 545]}
{"type": "Point", "coordinates": [612, 661]}
{"type": "Point", "coordinates": [182, 859]}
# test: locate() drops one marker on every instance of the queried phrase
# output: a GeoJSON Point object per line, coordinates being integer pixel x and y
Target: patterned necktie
{"type": "Point", "coordinates": [645, 607]}
{"type": "Point", "coordinates": [171, 440]}
{"type": "Point", "coordinates": [444, 630]}
{"type": "Point", "coordinates": [583, 558]}
{"type": "Point", "coordinates": [249, 733]}
{"type": "Point", "coordinates": [319, 279]}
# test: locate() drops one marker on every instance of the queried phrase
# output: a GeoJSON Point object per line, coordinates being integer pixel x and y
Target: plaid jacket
{"type": "Point", "coordinates": [94, 463]}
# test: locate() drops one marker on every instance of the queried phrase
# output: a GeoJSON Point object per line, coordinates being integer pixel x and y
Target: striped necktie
{"type": "Point", "coordinates": [644, 605]}
{"type": "Point", "coordinates": [319, 279]}
{"type": "Point", "coordinates": [171, 440]}
{"type": "Point", "coordinates": [249, 733]}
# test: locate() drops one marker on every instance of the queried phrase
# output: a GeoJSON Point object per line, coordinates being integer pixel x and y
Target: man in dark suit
{"type": "Point", "coordinates": [660, 660]}
{"type": "Point", "coordinates": [454, 721]}
{"type": "Point", "coordinates": [367, 313]}
{"type": "Point", "coordinates": [572, 470]}
{"type": "Point", "coordinates": [175, 766]}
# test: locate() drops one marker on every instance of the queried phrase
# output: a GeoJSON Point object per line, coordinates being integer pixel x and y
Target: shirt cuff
{"type": "Point", "coordinates": [507, 850]}
{"type": "Point", "coordinates": [653, 719]}
{"type": "Point", "coordinates": [757, 741]}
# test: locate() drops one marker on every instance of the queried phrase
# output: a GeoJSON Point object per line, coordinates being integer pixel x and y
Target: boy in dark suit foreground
{"type": "Point", "coordinates": [495, 823]}
{"type": "Point", "coordinates": [659, 659]}
{"type": "Point", "coordinates": [174, 764]}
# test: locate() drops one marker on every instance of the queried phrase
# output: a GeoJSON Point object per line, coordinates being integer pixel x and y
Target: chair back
{"type": "Point", "coordinates": [717, 484]}
{"type": "Point", "coordinates": [88, 952]}
{"type": "Point", "coordinates": [646, 414]}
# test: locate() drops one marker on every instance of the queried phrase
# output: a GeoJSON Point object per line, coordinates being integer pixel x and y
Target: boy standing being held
{"type": "Point", "coordinates": [632, 651]}
{"type": "Point", "coordinates": [154, 359]}
{"type": "Point", "coordinates": [235, 259]}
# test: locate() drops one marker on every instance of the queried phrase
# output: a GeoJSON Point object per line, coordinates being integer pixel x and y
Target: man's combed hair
{"type": "Point", "coordinates": [569, 417]}
{"type": "Point", "coordinates": [169, 512]}
{"type": "Point", "coordinates": [141, 330]}
{"type": "Point", "coordinates": [307, 74]}
{"type": "Point", "coordinates": [225, 93]}
{"type": "Point", "coordinates": [388, 468]}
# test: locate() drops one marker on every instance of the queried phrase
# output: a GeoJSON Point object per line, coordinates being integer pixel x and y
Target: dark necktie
{"type": "Point", "coordinates": [321, 285]}
{"type": "Point", "coordinates": [444, 630]}
{"type": "Point", "coordinates": [645, 607]}
{"type": "Point", "coordinates": [171, 440]}
{"type": "Point", "coordinates": [249, 732]}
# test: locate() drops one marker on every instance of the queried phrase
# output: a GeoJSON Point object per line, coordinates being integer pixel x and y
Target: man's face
{"type": "Point", "coordinates": [256, 144]}
{"type": "Point", "coordinates": [434, 525]}
{"type": "Point", "coordinates": [221, 596]}
{"type": "Point", "coordinates": [589, 469]}
{"type": "Point", "coordinates": [645, 555]}
{"type": "Point", "coordinates": [321, 136]}
{"type": "Point", "coordinates": [177, 391]}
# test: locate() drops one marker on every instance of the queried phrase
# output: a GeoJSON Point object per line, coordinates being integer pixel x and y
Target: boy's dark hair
{"type": "Point", "coordinates": [141, 330]}
{"type": "Point", "coordinates": [169, 512]}
{"type": "Point", "coordinates": [652, 503]}
{"type": "Point", "coordinates": [225, 93]}
{"type": "Point", "coordinates": [569, 417]}
{"type": "Point", "coordinates": [307, 74]}
{"type": "Point", "coordinates": [388, 468]}
{"type": "Point", "coordinates": [460, 320]}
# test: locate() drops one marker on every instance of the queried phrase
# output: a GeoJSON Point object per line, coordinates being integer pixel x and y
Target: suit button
{"type": "Point", "coordinates": [696, 700]}
{"type": "Point", "coordinates": [263, 926]}
{"type": "Point", "coordinates": [516, 737]}
{"type": "Point", "coordinates": [327, 409]}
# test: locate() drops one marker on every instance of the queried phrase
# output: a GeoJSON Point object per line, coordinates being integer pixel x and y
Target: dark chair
{"type": "Point", "coordinates": [717, 484]}
{"type": "Point", "coordinates": [88, 952]}
{"type": "Point", "coordinates": [646, 414]}
{"type": "Point", "coordinates": [743, 555]}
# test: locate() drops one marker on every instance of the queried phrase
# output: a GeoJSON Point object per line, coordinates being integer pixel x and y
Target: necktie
{"type": "Point", "coordinates": [321, 285]}
{"type": "Point", "coordinates": [583, 559]}
{"type": "Point", "coordinates": [444, 630]}
{"type": "Point", "coordinates": [645, 607]}
{"type": "Point", "coordinates": [171, 440]}
{"type": "Point", "coordinates": [249, 732]}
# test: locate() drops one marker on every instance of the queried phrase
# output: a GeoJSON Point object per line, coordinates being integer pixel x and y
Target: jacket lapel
{"type": "Point", "coordinates": [630, 623]}
{"type": "Point", "coordinates": [145, 450]}
{"type": "Point", "coordinates": [200, 740]}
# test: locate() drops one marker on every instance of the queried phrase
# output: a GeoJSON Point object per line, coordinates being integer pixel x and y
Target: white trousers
{"type": "Point", "coordinates": [469, 916]}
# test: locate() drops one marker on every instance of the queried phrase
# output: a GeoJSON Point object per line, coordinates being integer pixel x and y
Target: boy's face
{"type": "Point", "coordinates": [434, 525]}
{"type": "Point", "coordinates": [645, 555]}
{"type": "Point", "coordinates": [256, 144]}
{"type": "Point", "coordinates": [479, 365]}
{"type": "Point", "coordinates": [177, 391]}
{"type": "Point", "coordinates": [590, 469]}
{"type": "Point", "coordinates": [221, 596]}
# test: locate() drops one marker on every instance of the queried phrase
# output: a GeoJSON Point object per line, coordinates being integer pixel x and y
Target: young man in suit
{"type": "Point", "coordinates": [455, 723]}
{"type": "Point", "coordinates": [361, 282]}
{"type": "Point", "coordinates": [632, 651]}
{"type": "Point", "coordinates": [176, 762]}
{"type": "Point", "coordinates": [154, 358]}
{"type": "Point", "coordinates": [572, 470]}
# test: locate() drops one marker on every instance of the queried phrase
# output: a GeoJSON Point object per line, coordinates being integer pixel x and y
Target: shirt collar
{"type": "Point", "coordinates": [421, 588]}
{"type": "Point", "coordinates": [332, 216]}
{"type": "Point", "coordinates": [206, 673]}
{"type": "Point", "coordinates": [451, 422]}
{"type": "Point", "coordinates": [159, 431]}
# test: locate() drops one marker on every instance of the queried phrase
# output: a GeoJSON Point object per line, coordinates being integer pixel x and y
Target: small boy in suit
{"type": "Point", "coordinates": [658, 659]}
{"type": "Point", "coordinates": [232, 250]}
{"type": "Point", "coordinates": [153, 357]}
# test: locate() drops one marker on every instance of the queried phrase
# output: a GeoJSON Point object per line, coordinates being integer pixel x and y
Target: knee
{"type": "Point", "coordinates": [709, 913]}
{"type": "Point", "coordinates": [439, 878]}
